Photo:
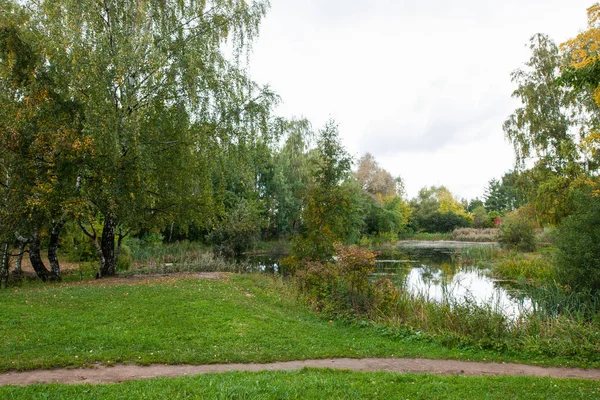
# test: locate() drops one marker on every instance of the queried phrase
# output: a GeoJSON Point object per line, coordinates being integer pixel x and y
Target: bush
{"type": "Point", "coordinates": [481, 218]}
{"type": "Point", "coordinates": [125, 259]}
{"type": "Point", "coordinates": [438, 222]}
{"type": "Point", "coordinates": [517, 232]}
{"type": "Point", "coordinates": [239, 230]}
{"type": "Point", "coordinates": [341, 287]}
{"type": "Point", "coordinates": [578, 243]}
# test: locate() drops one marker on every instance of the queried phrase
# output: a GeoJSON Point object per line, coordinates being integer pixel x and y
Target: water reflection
{"type": "Point", "coordinates": [263, 262]}
{"type": "Point", "coordinates": [433, 270]}
{"type": "Point", "coordinates": [436, 273]}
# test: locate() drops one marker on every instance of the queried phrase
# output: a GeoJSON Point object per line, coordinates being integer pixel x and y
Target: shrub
{"type": "Point", "coordinates": [438, 222]}
{"type": "Point", "coordinates": [481, 218]}
{"type": "Point", "coordinates": [517, 232]}
{"type": "Point", "coordinates": [125, 259]}
{"type": "Point", "coordinates": [341, 287]}
{"type": "Point", "coordinates": [239, 230]}
{"type": "Point", "coordinates": [578, 243]}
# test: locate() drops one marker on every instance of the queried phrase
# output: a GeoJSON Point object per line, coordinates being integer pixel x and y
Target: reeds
{"type": "Point", "coordinates": [519, 266]}
{"type": "Point", "coordinates": [475, 235]}
{"type": "Point", "coordinates": [179, 257]}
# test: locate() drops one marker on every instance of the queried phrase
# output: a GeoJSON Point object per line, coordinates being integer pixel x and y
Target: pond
{"type": "Point", "coordinates": [436, 271]}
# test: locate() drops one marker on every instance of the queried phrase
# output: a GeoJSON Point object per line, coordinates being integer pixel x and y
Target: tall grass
{"type": "Point", "coordinates": [181, 256]}
{"type": "Point", "coordinates": [560, 324]}
{"type": "Point", "coordinates": [520, 266]}
{"type": "Point", "coordinates": [426, 236]}
{"type": "Point", "coordinates": [475, 235]}
{"type": "Point", "coordinates": [554, 300]}
{"type": "Point", "coordinates": [474, 255]}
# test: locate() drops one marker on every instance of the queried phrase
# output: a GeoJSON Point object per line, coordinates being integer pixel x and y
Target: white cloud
{"type": "Point", "coordinates": [423, 85]}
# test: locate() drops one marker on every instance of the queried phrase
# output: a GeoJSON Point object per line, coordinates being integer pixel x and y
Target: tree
{"type": "Point", "coordinates": [548, 127]}
{"type": "Point", "coordinates": [581, 75]}
{"type": "Point", "coordinates": [291, 175]}
{"type": "Point", "coordinates": [40, 135]}
{"type": "Point", "coordinates": [578, 238]}
{"type": "Point", "coordinates": [154, 87]}
{"type": "Point", "coordinates": [506, 194]}
{"type": "Point", "coordinates": [540, 128]}
{"type": "Point", "coordinates": [329, 210]}
{"type": "Point", "coordinates": [376, 180]}
{"type": "Point", "coordinates": [436, 210]}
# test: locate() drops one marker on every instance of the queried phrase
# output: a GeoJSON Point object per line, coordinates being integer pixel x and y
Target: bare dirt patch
{"type": "Point", "coordinates": [119, 373]}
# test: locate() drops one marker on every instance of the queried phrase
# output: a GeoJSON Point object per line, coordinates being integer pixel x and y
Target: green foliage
{"type": "Point", "coordinates": [541, 125]}
{"type": "Point", "coordinates": [75, 246]}
{"type": "Point", "coordinates": [481, 218]}
{"type": "Point", "coordinates": [333, 161]}
{"type": "Point", "coordinates": [555, 125]}
{"type": "Point", "coordinates": [578, 243]}
{"type": "Point", "coordinates": [518, 266]}
{"type": "Point", "coordinates": [387, 216]}
{"type": "Point", "coordinates": [131, 107]}
{"type": "Point", "coordinates": [435, 210]}
{"type": "Point", "coordinates": [505, 195]}
{"type": "Point", "coordinates": [442, 222]}
{"type": "Point", "coordinates": [331, 208]}
{"type": "Point", "coordinates": [426, 236]}
{"type": "Point", "coordinates": [517, 232]}
{"type": "Point", "coordinates": [240, 229]}
{"type": "Point", "coordinates": [125, 259]}
{"type": "Point", "coordinates": [291, 176]}
{"type": "Point", "coordinates": [341, 287]}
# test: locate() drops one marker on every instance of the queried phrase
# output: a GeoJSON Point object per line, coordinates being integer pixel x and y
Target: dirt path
{"type": "Point", "coordinates": [119, 373]}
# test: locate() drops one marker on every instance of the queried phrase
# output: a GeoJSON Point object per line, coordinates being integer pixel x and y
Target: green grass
{"type": "Point", "coordinates": [318, 384]}
{"type": "Point", "coordinates": [179, 321]}
{"type": "Point", "coordinates": [186, 320]}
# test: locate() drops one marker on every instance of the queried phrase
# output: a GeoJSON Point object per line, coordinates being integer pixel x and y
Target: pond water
{"type": "Point", "coordinates": [434, 270]}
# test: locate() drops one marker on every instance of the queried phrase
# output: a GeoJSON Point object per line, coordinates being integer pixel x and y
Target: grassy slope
{"type": "Point", "coordinates": [186, 320]}
{"type": "Point", "coordinates": [318, 384]}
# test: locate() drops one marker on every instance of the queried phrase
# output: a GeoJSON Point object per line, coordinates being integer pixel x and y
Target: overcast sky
{"type": "Point", "coordinates": [423, 85]}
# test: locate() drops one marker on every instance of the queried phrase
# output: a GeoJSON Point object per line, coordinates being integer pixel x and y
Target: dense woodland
{"type": "Point", "coordinates": [123, 119]}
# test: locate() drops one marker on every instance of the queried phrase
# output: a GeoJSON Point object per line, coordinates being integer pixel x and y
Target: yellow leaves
{"type": "Point", "coordinates": [593, 13]}
{"type": "Point", "coordinates": [584, 47]}
{"type": "Point", "coordinates": [591, 142]}
{"type": "Point", "coordinates": [597, 95]}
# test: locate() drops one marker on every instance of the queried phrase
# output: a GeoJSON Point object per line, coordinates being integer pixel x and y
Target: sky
{"type": "Point", "coordinates": [423, 85]}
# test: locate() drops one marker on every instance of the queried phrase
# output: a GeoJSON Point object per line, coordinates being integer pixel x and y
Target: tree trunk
{"type": "Point", "coordinates": [3, 264]}
{"type": "Point", "coordinates": [52, 249]}
{"type": "Point", "coordinates": [19, 260]}
{"type": "Point", "coordinates": [36, 259]}
{"type": "Point", "coordinates": [94, 238]}
{"type": "Point", "coordinates": [109, 266]}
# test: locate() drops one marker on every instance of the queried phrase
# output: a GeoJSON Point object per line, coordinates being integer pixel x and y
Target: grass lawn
{"type": "Point", "coordinates": [189, 320]}
{"type": "Point", "coordinates": [318, 384]}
